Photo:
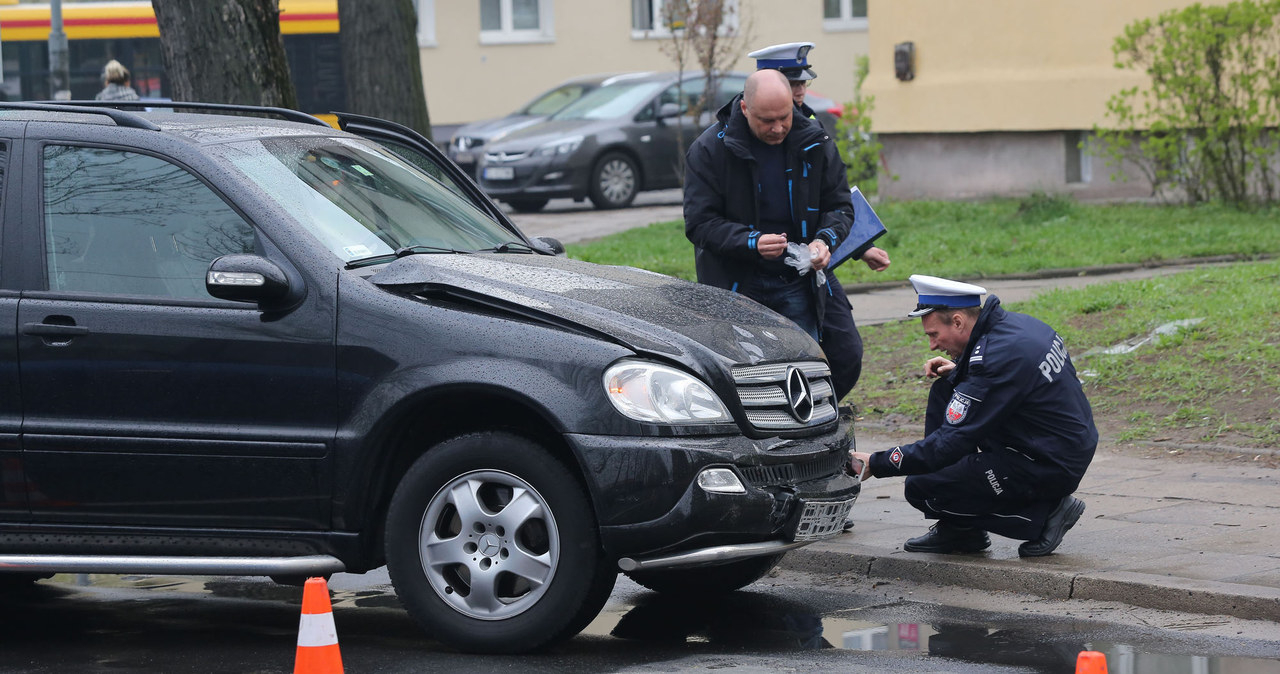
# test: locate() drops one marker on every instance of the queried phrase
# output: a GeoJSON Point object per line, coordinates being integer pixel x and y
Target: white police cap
{"type": "Point", "coordinates": [792, 59]}
{"type": "Point", "coordinates": [939, 293]}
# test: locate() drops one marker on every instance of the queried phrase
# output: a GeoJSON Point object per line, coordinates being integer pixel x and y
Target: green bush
{"type": "Point", "coordinates": [1205, 128]}
{"type": "Point", "coordinates": [858, 148]}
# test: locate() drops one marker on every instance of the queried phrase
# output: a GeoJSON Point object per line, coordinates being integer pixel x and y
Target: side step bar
{"type": "Point", "coordinates": [708, 556]}
{"type": "Point", "coordinates": [312, 565]}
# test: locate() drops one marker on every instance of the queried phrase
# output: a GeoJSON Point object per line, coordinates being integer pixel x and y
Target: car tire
{"type": "Point", "coordinates": [527, 205]}
{"type": "Point", "coordinates": [492, 545]}
{"type": "Point", "coordinates": [707, 580]}
{"type": "Point", "coordinates": [615, 180]}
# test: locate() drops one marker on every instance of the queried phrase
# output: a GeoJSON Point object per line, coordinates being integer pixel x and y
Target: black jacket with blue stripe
{"type": "Point", "coordinates": [721, 201]}
{"type": "Point", "coordinates": [1014, 389]}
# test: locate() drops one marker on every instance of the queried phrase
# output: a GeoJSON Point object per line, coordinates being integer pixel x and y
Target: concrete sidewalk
{"type": "Point", "coordinates": [1169, 533]}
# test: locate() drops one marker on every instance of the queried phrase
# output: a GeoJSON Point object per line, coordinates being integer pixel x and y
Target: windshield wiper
{"type": "Point", "coordinates": [509, 246]}
{"type": "Point", "coordinates": [401, 252]}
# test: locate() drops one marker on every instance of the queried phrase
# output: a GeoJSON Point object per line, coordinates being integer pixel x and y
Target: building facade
{"type": "Point", "coordinates": [1001, 95]}
{"type": "Point", "coordinates": [485, 59]}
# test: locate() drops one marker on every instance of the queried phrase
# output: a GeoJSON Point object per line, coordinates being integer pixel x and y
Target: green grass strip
{"type": "Point", "coordinates": [983, 239]}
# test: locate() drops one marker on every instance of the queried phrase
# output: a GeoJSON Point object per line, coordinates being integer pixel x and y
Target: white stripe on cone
{"type": "Point", "coordinates": [317, 629]}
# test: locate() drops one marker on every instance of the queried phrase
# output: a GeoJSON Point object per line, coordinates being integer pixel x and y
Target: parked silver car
{"type": "Point", "coordinates": [468, 141]}
{"type": "Point", "coordinates": [608, 145]}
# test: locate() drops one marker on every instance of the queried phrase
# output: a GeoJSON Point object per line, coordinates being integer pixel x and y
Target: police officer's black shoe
{"type": "Point", "coordinates": [848, 524]}
{"type": "Point", "coordinates": [945, 538]}
{"type": "Point", "coordinates": [1063, 517]}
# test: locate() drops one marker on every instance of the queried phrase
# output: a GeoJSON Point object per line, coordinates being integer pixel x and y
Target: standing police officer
{"type": "Point", "coordinates": [1008, 430]}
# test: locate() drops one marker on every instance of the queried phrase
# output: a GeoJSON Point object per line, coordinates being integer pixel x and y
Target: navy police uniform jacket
{"type": "Point", "coordinates": [1014, 390]}
{"type": "Point", "coordinates": [721, 203]}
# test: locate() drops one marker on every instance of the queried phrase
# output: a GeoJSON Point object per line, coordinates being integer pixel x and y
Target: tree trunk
{"type": "Point", "coordinates": [381, 62]}
{"type": "Point", "coordinates": [225, 51]}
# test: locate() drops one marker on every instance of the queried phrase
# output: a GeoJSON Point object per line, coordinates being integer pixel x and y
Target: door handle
{"type": "Point", "coordinates": [54, 330]}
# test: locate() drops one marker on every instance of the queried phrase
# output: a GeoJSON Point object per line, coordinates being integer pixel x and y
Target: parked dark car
{"type": "Point", "coordinates": [607, 146]}
{"type": "Point", "coordinates": [612, 143]}
{"type": "Point", "coordinates": [252, 346]}
{"type": "Point", "coordinates": [468, 142]}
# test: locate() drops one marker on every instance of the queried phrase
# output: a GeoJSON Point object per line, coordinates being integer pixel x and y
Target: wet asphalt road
{"type": "Point", "coordinates": [790, 621]}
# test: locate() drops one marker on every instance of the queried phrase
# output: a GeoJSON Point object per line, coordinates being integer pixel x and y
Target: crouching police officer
{"type": "Point", "coordinates": [1008, 430]}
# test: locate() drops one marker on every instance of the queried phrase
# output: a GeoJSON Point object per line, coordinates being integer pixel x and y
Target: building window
{"type": "Point", "coordinates": [654, 18]}
{"type": "Point", "coordinates": [645, 14]}
{"type": "Point", "coordinates": [515, 21]}
{"type": "Point", "coordinates": [844, 15]}
{"type": "Point", "coordinates": [426, 12]}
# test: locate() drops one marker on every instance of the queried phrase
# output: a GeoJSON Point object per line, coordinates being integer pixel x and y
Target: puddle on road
{"type": "Point", "coordinates": [1040, 648]}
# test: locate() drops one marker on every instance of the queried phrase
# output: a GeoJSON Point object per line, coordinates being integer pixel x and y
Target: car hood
{"type": "Point", "coordinates": [491, 129]}
{"type": "Point", "coordinates": [643, 310]}
{"type": "Point", "coordinates": [548, 131]}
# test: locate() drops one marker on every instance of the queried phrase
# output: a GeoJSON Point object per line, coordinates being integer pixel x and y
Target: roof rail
{"type": "Point", "coordinates": [285, 113]}
{"type": "Point", "coordinates": [120, 117]}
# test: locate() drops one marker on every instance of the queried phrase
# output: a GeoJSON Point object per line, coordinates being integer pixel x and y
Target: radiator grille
{"type": "Point", "coordinates": [762, 392]}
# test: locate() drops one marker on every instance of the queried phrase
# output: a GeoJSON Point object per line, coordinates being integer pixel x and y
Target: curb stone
{"type": "Point", "coordinates": [1023, 577]}
{"type": "Point", "coordinates": [1180, 594]}
{"type": "Point", "coordinates": [1096, 270]}
{"type": "Point", "coordinates": [895, 429]}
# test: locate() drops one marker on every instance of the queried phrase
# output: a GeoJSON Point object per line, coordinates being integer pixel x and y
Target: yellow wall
{"type": "Point", "coordinates": [1010, 65]}
{"type": "Point", "coordinates": [466, 81]}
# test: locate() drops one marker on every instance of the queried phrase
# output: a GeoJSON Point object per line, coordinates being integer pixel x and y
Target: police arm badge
{"type": "Point", "coordinates": [959, 407]}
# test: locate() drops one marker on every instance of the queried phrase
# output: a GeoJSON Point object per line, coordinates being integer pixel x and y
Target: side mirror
{"type": "Point", "coordinates": [246, 278]}
{"type": "Point", "coordinates": [668, 110]}
{"type": "Point", "coordinates": [549, 243]}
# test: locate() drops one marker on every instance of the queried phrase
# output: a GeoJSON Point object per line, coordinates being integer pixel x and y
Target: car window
{"type": "Point", "coordinates": [686, 94]}
{"type": "Point", "coordinates": [727, 88]}
{"type": "Point", "coordinates": [555, 100]}
{"type": "Point", "coordinates": [132, 224]}
{"type": "Point", "coordinates": [424, 162]}
{"type": "Point", "coordinates": [360, 199]}
{"type": "Point", "coordinates": [610, 102]}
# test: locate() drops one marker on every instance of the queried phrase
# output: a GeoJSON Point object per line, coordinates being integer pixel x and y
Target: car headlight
{"type": "Point", "coordinates": [659, 394]}
{"type": "Point", "coordinates": [559, 147]}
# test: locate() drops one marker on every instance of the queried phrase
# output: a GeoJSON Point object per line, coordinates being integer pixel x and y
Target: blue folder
{"type": "Point", "coordinates": [865, 229]}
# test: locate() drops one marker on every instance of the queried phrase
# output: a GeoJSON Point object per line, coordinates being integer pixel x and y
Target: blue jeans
{"type": "Point", "coordinates": [792, 297]}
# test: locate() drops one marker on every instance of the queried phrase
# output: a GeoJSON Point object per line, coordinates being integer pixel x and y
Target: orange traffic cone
{"type": "Point", "coordinates": [1091, 662]}
{"type": "Point", "coordinates": [317, 635]}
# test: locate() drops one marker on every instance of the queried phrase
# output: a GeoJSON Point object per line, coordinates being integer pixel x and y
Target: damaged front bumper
{"type": "Point", "coordinates": [654, 513]}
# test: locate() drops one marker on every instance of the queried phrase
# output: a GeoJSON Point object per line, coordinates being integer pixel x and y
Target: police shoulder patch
{"type": "Point", "coordinates": [958, 408]}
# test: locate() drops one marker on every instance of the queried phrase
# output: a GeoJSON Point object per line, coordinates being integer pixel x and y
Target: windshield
{"type": "Point", "coordinates": [359, 199]}
{"type": "Point", "coordinates": [610, 102]}
{"type": "Point", "coordinates": [555, 100]}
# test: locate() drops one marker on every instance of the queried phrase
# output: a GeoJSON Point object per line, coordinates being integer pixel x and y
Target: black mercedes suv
{"type": "Point", "coordinates": [240, 341]}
